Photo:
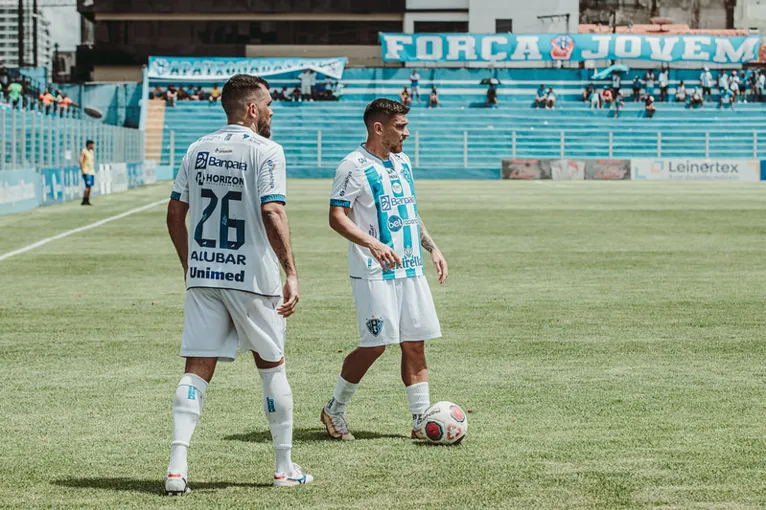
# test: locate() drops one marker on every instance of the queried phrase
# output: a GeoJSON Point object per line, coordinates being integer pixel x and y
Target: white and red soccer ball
{"type": "Point", "coordinates": [445, 423]}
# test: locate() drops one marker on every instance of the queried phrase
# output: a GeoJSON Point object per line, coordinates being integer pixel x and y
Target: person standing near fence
{"type": "Point", "coordinates": [87, 159]}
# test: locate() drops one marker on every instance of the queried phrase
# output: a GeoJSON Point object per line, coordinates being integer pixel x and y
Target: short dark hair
{"type": "Point", "coordinates": [383, 109]}
{"type": "Point", "coordinates": [240, 88]}
{"type": "Point", "coordinates": [89, 142]}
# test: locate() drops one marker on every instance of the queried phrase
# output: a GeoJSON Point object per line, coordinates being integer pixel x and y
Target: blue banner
{"type": "Point", "coordinates": [183, 69]}
{"type": "Point", "coordinates": [135, 175]}
{"type": "Point", "coordinates": [19, 190]}
{"type": "Point", "coordinates": [497, 48]}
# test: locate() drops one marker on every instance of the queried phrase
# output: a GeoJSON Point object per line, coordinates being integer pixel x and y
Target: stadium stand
{"type": "Point", "coordinates": [457, 140]}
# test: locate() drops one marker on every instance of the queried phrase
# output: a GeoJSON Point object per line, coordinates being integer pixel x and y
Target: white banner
{"type": "Point", "coordinates": [215, 69]}
{"type": "Point", "coordinates": [679, 169]}
{"type": "Point", "coordinates": [567, 170]}
{"type": "Point", "coordinates": [150, 176]}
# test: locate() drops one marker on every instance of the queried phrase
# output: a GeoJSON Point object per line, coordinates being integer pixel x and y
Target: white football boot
{"type": "Point", "coordinates": [175, 485]}
{"type": "Point", "coordinates": [336, 425]}
{"type": "Point", "coordinates": [297, 477]}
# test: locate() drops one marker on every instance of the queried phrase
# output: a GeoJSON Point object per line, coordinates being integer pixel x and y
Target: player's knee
{"type": "Point", "coordinates": [375, 352]}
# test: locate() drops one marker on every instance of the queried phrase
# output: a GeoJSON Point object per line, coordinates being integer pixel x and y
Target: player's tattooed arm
{"type": "Point", "coordinates": [426, 241]}
{"type": "Point", "coordinates": [278, 232]}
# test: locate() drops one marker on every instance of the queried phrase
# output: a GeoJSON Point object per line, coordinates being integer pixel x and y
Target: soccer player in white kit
{"type": "Point", "coordinates": [373, 206]}
{"type": "Point", "coordinates": [232, 184]}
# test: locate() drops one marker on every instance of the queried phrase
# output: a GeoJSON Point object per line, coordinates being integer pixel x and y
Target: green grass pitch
{"type": "Point", "coordinates": [607, 339]}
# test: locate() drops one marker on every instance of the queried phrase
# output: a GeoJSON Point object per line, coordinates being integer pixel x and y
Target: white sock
{"type": "Point", "coordinates": [278, 406]}
{"type": "Point", "coordinates": [419, 400]}
{"type": "Point", "coordinates": [187, 408]}
{"type": "Point", "coordinates": [341, 396]}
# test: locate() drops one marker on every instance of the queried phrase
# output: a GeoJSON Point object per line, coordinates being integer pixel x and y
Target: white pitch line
{"type": "Point", "coordinates": [79, 229]}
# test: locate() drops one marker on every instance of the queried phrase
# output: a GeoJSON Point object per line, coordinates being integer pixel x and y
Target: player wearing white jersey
{"type": "Point", "coordinates": [232, 185]}
{"type": "Point", "coordinates": [373, 205]}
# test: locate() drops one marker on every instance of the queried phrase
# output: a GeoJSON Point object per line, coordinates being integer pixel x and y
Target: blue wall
{"type": "Point", "coordinates": [120, 102]}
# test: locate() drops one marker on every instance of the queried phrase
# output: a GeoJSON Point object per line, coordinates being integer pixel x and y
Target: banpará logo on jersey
{"type": "Point", "coordinates": [387, 202]}
{"type": "Point", "coordinates": [396, 187]}
{"type": "Point", "coordinates": [227, 180]}
{"type": "Point", "coordinates": [375, 326]}
{"type": "Point", "coordinates": [205, 160]}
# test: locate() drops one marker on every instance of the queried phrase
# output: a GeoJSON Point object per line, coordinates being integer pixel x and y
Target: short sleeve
{"type": "Point", "coordinates": [272, 177]}
{"type": "Point", "coordinates": [347, 185]}
{"type": "Point", "coordinates": [181, 185]}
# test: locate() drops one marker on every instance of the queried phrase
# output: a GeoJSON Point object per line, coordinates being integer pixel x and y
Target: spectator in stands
{"type": "Point", "coordinates": [404, 97]}
{"type": "Point", "coordinates": [752, 86]}
{"type": "Point", "coordinates": [664, 79]}
{"type": "Point", "coordinates": [587, 93]}
{"type": "Point", "coordinates": [201, 94]}
{"type": "Point", "coordinates": [649, 106]}
{"type": "Point", "coordinates": [541, 97]}
{"type": "Point", "coordinates": [15, 94]}
{"type": "Point", "coordinates": [741, 88]}
{"type": "Point", "coordinates": [761, 85]}
{"type": "Point", "coordinates": [606, 97]}
{"type": "Point", "coordinates": [726, 95]}
{"type": "Point", "coordinates": [681, 93]}
{"type": "Point", "coordinates": [65, 104]}
{"type": "Point", "coordinates": [595, 99]}
{"type": "Point", "coordinates": [296, 94]}
{"type": "Point", "coordinates": [329, 87]}
{"type": "Point", "coordinates": [215, 94]}
{"type": "Point", "coordinates": [433, 97]}
{"type": "Point", "coordinates": [734, 87]}
{"type": "Point", "coordinates": [171, 95]}
{"type": "Point", "coordinates": [57, 101]}
{"type": "Point", "coordinates": [550, 99]}
{"type": "Point", "coordinates": [415, 84]}
{"type": "Point", "coordinates": [157, 93]}
{"type": "Point", "coordinates": [307, 80]}
{"type": "Point", "coordinates": [636, 89]}
{"type": "Point", "coordinates": [616, 82]}
{"type": "Point", "coordinates": [191, 93]}
{"type": "Point", "coordinates": [284, 94]}
{"type": "Point", "coordinates": [723, 81]}
{"type": "Point", "coordinates": [706, 81]}
{"type": "Point", "coordinates": [182, 94]}
{"type": "Point", "coordinates": [492, 96]}
{"type": "Point", "coordinates": [619, 102]}
{"type": "Point", "coordinates": [46, 99]}
{"type": "Point", "coordinates": [697, 98]}
{"type": "Point", "coordinates": [649, 79]}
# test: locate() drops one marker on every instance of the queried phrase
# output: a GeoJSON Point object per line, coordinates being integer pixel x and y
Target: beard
{"type": "Point", "coordinates": [395, 146]}
{"type": "Point", "coordinates": [264, 128]}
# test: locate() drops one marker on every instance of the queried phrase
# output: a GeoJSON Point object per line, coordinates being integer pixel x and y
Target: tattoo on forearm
{"type": "Point", "coordinates": [425, 238]}
{"type": "Point", "coordinates": [278, 233]}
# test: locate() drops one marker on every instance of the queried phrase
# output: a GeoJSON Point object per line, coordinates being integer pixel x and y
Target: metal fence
{"type": "Point", "coordinates": [34, 139]}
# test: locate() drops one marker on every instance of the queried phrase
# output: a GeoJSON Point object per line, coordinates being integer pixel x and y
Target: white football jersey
{"type": "Point", "coordinates": [381, 196]}
{"type": "Point", "coordinates": [225, 177]}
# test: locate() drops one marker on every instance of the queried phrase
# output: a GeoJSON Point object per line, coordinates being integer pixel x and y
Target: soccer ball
{"type": "Point", "coordinates": [445, 423]}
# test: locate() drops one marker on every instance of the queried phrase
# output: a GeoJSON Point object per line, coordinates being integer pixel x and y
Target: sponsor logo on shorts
{"type": "Point", "coordinates": [374, 326]}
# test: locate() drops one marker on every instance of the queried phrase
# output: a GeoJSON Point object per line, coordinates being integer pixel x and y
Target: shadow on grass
{"type": "Point", "coordinates": [152, 486]}
{"type": "Point", "coordinates": [264, 436]}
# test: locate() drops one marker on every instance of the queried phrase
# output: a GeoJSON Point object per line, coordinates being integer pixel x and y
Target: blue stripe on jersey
{"type": "Point", "coordinates": [407, 173]}
{"type": "Point", "coordinates": [340, 203]}
{"type": "Point", "coordinates": [376, 186]}
{"type": "Point", "coordinates": [272, 198]}
{"type": "Point", "coordinates": [175, 196]}
{"type": "Point", "coordinates": [407, 234]}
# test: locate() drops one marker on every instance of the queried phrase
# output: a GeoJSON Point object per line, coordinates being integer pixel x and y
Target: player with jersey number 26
{"type": "Point", "coordinates": [373, 205]}
{"type": "Point", "coordinates": [232, 183]}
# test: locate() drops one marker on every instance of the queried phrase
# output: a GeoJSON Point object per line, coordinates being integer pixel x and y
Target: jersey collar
{"type": "Point", "coordinates": [386, 163]}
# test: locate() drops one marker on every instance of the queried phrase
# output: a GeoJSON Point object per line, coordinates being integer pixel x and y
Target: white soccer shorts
{"type": "Point", "coordinates": [394, 311]}
{"type": "Point", "coordinates": [216, 321]}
